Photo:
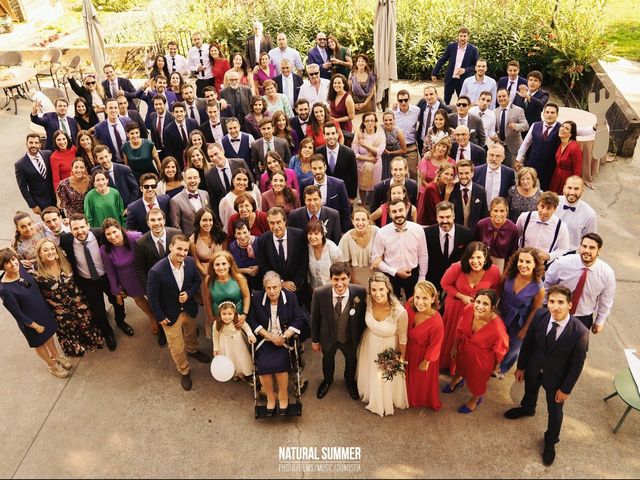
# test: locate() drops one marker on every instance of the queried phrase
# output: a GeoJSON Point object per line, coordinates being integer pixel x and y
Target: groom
{"type": "Point", "coordinates": [337, 322]}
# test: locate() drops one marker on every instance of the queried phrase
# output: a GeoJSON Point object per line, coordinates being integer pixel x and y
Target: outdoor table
{"type": "Point", "coordinates": [13, 81]}
{"type": "Point", "coordinates": [627, 390]}
{"type": "Point", "coordinates": [586, 120]}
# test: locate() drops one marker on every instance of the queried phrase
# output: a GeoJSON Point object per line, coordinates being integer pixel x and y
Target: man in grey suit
{"type": "Point", "coordinates": [463, 117]}
{"type": "Point", "coordinates": [510, 123]}
{"type": "Point", "coordinates": [267, 143]}
{"type": "Point", "coordinates": [337, 323]}
{"type": "Point", "coordinates": [186, 203]}
{"type": "Point", "coordinates": [238, 97]}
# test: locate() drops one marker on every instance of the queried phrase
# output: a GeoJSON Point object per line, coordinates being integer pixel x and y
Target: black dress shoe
{"type": "Point", "coordinates": [283, 411]}
{"type": "Point", "coordinates": [323, 389]}
{"type": "Point", "coordinates": [304, 386]}
{"type": "Point", "coordinates": [185, 381]}
{"type": "Point", "coordinates": [200, 356]}
{"type": "Point", "coordinates": [125, 327]}
{"type": "Point", "coordinates": [353, 391]}
{"type": "Point", "coordinates": [162, 338]}
{"type": "Point", "coordinates": [518, 412]}
{"type": "Point", "coordinates": [271, 412]}
{"type": "Point", "coordinates": [110, 340]}
{"type": "Point", "coordinates": [548, 454]}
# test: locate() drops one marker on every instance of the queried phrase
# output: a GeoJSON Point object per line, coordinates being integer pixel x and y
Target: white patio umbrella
{"type": "Point", "coordinates": [95, 37]}
{"type": "Point", "coordinates": [384, 45]}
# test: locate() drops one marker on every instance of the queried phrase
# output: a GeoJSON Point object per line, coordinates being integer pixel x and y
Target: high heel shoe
{"type": "Point", "coordinates": [465, 409]}
{"type": "Point", "coordinates": [447, 388]}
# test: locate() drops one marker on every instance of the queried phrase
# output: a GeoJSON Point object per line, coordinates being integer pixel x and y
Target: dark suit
{"type": "Point", "coordinates": [158, 136]}
{"type": "Point", "coordinates": [205, 128]}
{"type": "Point", "coordinates": [298, 81]}
{"type": "Point", "coordinates": [51, 124]}
{"type": "Point", "coordinates": [94, 290]}
{"type": "Point", "coordinates": [478, 200]}
{"type": "Point", "coordinates": [250, 48]}
{"type": "Point", "coordinates": [135, 116]}
{"type": "Point", "coordinates": [438, 264]}
{"type": "Point", "coordinates": [137, 213]}
{"type": "Point", "coordinates": [299, 218]}
{"type": "Point", "coordinates": [504, 83]}
{"type": "Point", "coordinates": [243, 108]}
{"type": "Point", "coordinates": [336, 198]}
{"type": "Point", "coordinates": [533, 108]}
{"type": "Point", "coordinates": [314, 56]}
{"type": "Point", "coordinates": [422, 105]}
{"type": "Point", "coordinates": [507, 178]}
{"type": "Point", "coordinates": [288, 310]}
{"type": "Point", "coordinates": [200, 106]}
{"type": "Point", "coordinates": [295, 267]}
{"type": "Point", "coordinates": [163, 291]}
{"type": "Point", "coordinates": [37, 191]}
{"type": "Point", "coordinates": [258, 157]}
{"type": "Point", "coordinates": [301, 131]}
{"type": "Point", "coordinates": [346, 168]}
{"type": "Point", "coordinates": [103, 134]}
{"type": "Point", "coordinates": [478, 154]}
{"type": "Point", "coordinates": [324, 323]}
{"type": "Point", "coordinates": [147, 254]}
{"type": "Point", "coordinates": [555, 368]}
{"type": "Point", "coordinates": [381, 189]}
{"type": "Point", "coordinates": [126, 183]}
{"type": "Point", "coordinates": [216, 188]}
{"type": "Point", "coordinates": [475, 125]}
{"type": "Point", "coordinates": [125, 85]}
{"type": "Point", "coordinates": [174, 146]}
{"type": "Point", "coordinates": [468, 63]}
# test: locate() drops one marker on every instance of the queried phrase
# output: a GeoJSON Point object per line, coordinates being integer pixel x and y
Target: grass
{"type": "Point", "coordinates": [624, 29]}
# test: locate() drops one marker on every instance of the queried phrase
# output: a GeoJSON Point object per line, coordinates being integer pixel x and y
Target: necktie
{"type": "Point", "coordinates": [41, 168]}
{"type": "Point", "coordinates": [236, 103]}
{"type": "Point", "coordinates": [463, 121]}
{"type": "Point", "coordinates": [465, 195]}
{"type": "Point", "coordinates": [332, 161]}
{"type": "Point", "coordinates": [502, 133]}
{"type": "Point", "coordinates": [63, 124]}
{"type": "Point", "coordinates": [225, 179]}
{"type": "Point", "coordinates": [93, 271]}
{"type": "Point", "coordinates": [281, 250]}
{"type": "Point", "coordinates": [489, 185]}
{"type": "Point", "coordinates": [161, 251]}
{"type": "Point", "coordinates": [183, 134]}
{"type": "Point", "coordinates": [193, 195]}
{"type": "Point", "coordinates": [461, 153]}
{"type": "Point", "coordinates": [338, 307]}
{"type": "Point", "coordinates": [446, 246]}
{"type": "Point", "coordinates": [193, 113]}
{"type": "Point", "coordinates": [116, 134]}
{"type": "Point", "coordinates": [546, 132]}
{"type": "Point", "coordinates": [567, 207]}
{"type": "Point", "coordinates": [429, 118]}
{"type": "Point", "coordinates": [269, 147]}
{"type": "Point", "coordinates": [173, 63]}
{"type": "Point", "coordinates": [150, 205]}
{"type": "Point", "coordinates": [577, 292]}
{"type": "Point", "coordinates": [510, 86]}
{"type": "Point", "coordinates": [550, 339]}
{"type": "Point", "coordinates": [201, 62]}
{"type": "Point", "coordinates": [314, 217]}
{"type": "Point", "coordinates": [114, 90]}
{"type": "Point", "coordinates": [159, 131]}
{"type": "Point", "coordinates": [112, 178]}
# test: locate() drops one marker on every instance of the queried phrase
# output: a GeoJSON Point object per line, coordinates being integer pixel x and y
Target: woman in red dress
{"type": "Point", "coordinates": [343, 109]}
{"type": "Point", "coordinates": [315, 128]}
{"type": "Point", "coordinates": [219, 66]}
{"type": "Point", "coordinates": [462, 281]}
{"type": "Point", "coordinates": [568, 157]}
{"type": "Point", "coordinates": [423, 347]}
{"type": "Point", "coordinates": [480, 345]}
{"type": "Point", "coordinates": [437, 191]}
{"type": "Point", "coordinates": [62, 157]}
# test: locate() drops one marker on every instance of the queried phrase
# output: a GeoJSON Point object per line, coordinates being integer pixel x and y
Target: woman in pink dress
{"type": "Point", "coordinates": [481, 343]}
{"type": "Point", "coordinates": [425, 334]}
{"type": "Point", "coordinates": [368, 144]}
{"type": "Point", "coordinates": [262, 72]}
{"type": "Point", "coordinates": [568, 157]}
{"type": "Point", "coordinates": [429, 164]}
{"type": "Point", "coordinates": [341, 104]}
{"type": "Point", "coordinates": [462, 281]}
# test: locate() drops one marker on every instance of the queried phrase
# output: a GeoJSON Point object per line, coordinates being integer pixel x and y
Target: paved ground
{"type": "Point", "coordinates": [124, 414]}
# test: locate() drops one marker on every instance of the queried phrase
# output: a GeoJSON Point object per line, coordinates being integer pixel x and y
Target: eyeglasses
{"type": "Point", "coordinates": [322, 39]}
{"type": "Point", "coordinates": [462, 104]}
{"type": "Point", "coordinates": [90, 83]}
{"type": "Point", "coordinates": [149, 187]}
{"type": "Point", "coordinates": [403, 100]}
{"type": "Point", "coordinates": [24, 283]}
{"type": "Point", "coordinates": [314, 74]}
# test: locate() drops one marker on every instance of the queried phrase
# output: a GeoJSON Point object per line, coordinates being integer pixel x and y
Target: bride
{"type": "Point", "coordinates": [386, 321]}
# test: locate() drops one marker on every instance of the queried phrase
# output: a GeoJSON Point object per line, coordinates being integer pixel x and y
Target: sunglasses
{"type": "Point", "coordinates": [90, 83]}
{"type": "Point", "coordinates": [24, 283]}
{"type": "Point", "coordinates": [149, 187]}
{"type": "Point", "coordinates": [462, 104]}
{"type": "Point", "coordinates": [314, 74]}
{"type": "Point", "coordinates": [403, 100]}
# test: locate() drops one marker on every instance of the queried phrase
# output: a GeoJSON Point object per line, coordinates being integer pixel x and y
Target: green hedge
{"type": "Point", "coordinates": [560, 44]}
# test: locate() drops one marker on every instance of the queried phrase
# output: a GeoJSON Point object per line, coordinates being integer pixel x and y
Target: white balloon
{"type": "Point", "coordinates": [222, 368]}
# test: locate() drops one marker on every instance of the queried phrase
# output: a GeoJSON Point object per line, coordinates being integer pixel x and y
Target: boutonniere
{"type": "Point", "coordinates": [477, 200]}
{"type": "Point", "coordinates": [324, 226]}
{"type": "Point", "coordinates": [356, 301]}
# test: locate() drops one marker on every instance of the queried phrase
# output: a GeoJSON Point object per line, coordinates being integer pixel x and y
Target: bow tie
{"type": "Point", "coordinates": [193, 195]}
{"type": "Point", "coordinates": [567, 207]}
{"type": "Point", "coordinates": [303, 123]}
{"type": "Point", "coordinates": [214, 125]}
{"type": "Point", "coordinates": [399, 230]}
{"type": "Point", "coordinates": [234, 139]}
{"type": "Point", "coordinates": [542, 223]}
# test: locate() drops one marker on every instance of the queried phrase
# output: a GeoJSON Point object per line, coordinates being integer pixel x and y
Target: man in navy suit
{"type": "Point", "coordinates": [33, 174]}
{"type": "Point", "coordinates": [172, 286]}
{"type": "Point", "coordinates": [399, 169]}
{"type": "Point", "coordinates": [147, 94]}
{"type": "Point", "coordinates": [495, 177]}
{"type": "Point", "coordinates": [157, 120]}
{"type": "Point", "coordinates": [463, 149]}
{"type": "Point", "coordinates": [211, 126]}
{"type": "Point", "coordinates": [332, 191]}
{"type": "Point", "coordinates": [341, 160]}
{"type": "Point", "coordinates": [428, 106]}
{"type": "Point", "coordinates": [462, 57]}
{"type": "Point", "coordinates": [120, 176]}
{"type": "Point", "coordinates": [321, 56]}
{"type": "Point", "coordinates": [132, 115]}
{"type": "Point", "coordinates": [512, 81]}
{"type": "Point", "coordinates": [115, 86]}
{"type": "Point", "coordinates": [137, 211]}
{"type": "Point", "coordinates": [176, 134]}
{"type": "Point", "coordinates": [330, 218]}
{"type": "Point", "coordinates": [469, 198]}
{"type": "Point", "coordinates": [300, 121]}
{"type": "Point", "coordinates": [552, 356]}
{"type": "Point", "coordinates": [289, 79]}
{"type": "Point", "coordinates": [532, 98]}
{"type": "Point", "coordinates": [111, 131]}
{"type": "Point", "coordinates": [54, 121]}
{"type": "Point", "coordinates": [217, 186]}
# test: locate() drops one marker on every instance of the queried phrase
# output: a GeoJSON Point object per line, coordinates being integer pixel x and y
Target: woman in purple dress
{"type": "Point", "coordinates": [118, 256]}
{"type": "Point", "coordinates": [244, 250]}
{"type": "Point", "coordinates": [498, 233]}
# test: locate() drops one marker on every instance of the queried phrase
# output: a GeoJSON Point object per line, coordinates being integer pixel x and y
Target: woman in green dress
{"type": "Point", "coordinates": [140, 154]}
{"type": "Point", "coordinates": [102, 202]}
{"type": "Point", "coordinates": [340, 57]}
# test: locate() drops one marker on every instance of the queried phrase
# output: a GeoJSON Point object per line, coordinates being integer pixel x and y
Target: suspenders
{"type": "Point", "coordinates": [555, 235]}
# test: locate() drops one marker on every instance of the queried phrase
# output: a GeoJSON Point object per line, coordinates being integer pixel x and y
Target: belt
{"type": "Point", "coordinates": [411, 144]}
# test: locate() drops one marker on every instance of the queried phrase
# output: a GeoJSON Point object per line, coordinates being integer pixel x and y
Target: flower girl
{"type": "Point", "coordinates": [229, 341]}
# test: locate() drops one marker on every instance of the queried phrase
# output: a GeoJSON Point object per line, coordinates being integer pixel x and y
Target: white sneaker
{"type": "Point", "coordinates": [58, 371]}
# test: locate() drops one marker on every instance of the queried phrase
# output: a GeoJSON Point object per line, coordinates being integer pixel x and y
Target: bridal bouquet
{"type": "Point", "coordinates": [389, 364]}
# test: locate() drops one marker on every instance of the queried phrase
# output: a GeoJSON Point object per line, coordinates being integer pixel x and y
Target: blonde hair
{"type": "Point", "coordinates": [427, 288]}
{"type": "Point", "coordinates": [63, 263]}
{"type": "Point", "coordinates": [223, 306]}
{"type": "Point", "coordinates": [382, 278]}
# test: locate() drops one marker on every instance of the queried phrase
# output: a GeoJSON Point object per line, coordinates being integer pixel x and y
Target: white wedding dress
{"type": "Point", "coordinates": [382, 395]}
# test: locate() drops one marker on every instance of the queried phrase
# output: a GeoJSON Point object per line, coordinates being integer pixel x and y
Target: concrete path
{"type": "Point", "coordinates": [625, 74]}
{"type": "Point", "coordinates": [124, 414]}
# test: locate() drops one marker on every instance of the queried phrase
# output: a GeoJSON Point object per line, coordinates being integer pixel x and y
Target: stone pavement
{"type": "Point", "coordinates": [124, 414]}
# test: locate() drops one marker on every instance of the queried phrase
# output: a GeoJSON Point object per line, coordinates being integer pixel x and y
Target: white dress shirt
{"type": "Point", "coordinates": [407, 122]}
{"type": "Point", "coordinates": [197, 57]}
{"type": "Point", "coordinates": [181, 64]}
{"type": "Point", "coordinates": [276, 55]}
{"type": "Point", "coordinates": [123, 136]}
{"type": "Point", "coordinates": [488, 121]}
{"type": "Point", "coordinates": [195, 202]}
{"type": "Point", "coordinates": [178, 274]}
{"type": "Point", "coordinates": [319, 269]}
{"type": "Point", "coordinates": [599, 288]}
{"type": "Point", "coordinates": [492, 183]}
{"type": "Point", "coordinates": [309, 92]}
{"type": "Point", "coordinates": [540, 234]}
{"type": "Point", "coordinates": [224, 171]}
{"type": "Point", "coordinates": [579, 223]}
{"type": "Point", "coordinates": [276, 242]}
{"type": "Point", "coordinates": [442, 235]}
{"type": "Point", "coordinates": [561, 325]}
{"type": "Point", "coordinates": [459, 57]}
{"type": "Point", "coordinates": [403, 250]}
{"type": "Point", "coordinates": [345, 298]}
{"type": "Point", "coordinates": [162, 239]}
{"type": "Point", "coordinates": [196, 113]}
{"type": "Point", "coordinates": [466, 150]}
{"type": "Point", "coordinates": [257, 40]}
{"type": "Point", "coordinates": [323, 189]}
{"type": "Point", "coordinates": [81, 261]}
{"type": "Point", "coordinates": [287, 88]}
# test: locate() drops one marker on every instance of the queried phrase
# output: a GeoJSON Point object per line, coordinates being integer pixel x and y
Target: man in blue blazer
{"type": "Point", "coordinates": [54, 121]}
{"type": "Point", "coordinates": [176, 133]}
{"type": "Point", "coordinates": [512, 81]}
{"type": "Point", "coordinates": [532, 98]}
{"type": "Point", "coordinates": [111, 131]}
{"type": "Point", "coordinates": [36, 188]}
{"type": "Point", "coordinates": [454, 77]}
{"type": "Point", "coordinates": [156, 122]}
{"type": "Point", "coordinates": [495, 157]}
{"type": "Point", "coordinates": [120, 176]}
{"type": "Point", "coordinates": [172, 286]}
{"type": "Point", "coordinates": [552, 356]}
{"type": "Point", "coordinates": [332, 190]}
{"type": "Point", "coordinates": [123, 86]}
{"type": "Point", "coordinates": [399, 169]}
{"type": "Point", "coordinates": [428, 105]}
{"type": "Point", "coordinates": [137, 211]}
{"type": "Point", "coordinates": [320, 56]}
{"type": "Point", "coordinates": [329, 217]}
